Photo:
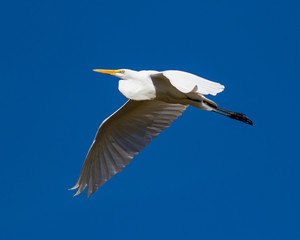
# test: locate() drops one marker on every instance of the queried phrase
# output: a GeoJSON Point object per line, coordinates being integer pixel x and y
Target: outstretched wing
{"type": "Point", "coordinates": [187, 82]}
{"type": "Point", "coordinates": [121, 137]}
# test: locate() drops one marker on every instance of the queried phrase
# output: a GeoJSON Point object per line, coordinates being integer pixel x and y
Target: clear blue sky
{"type": "Point", "coordinates": [206, 177]}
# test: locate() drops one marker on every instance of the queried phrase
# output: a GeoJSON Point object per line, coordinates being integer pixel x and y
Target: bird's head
{"type": "Point", "coordinates": [120, 73]}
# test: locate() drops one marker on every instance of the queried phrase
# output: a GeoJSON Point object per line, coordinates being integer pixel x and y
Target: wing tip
{"type": "Point", "coordinates": [75, 187]}
{"type": "Point", "coordinates": [220, 88]}
{"type": "Point", "coordinates": [79, 190]}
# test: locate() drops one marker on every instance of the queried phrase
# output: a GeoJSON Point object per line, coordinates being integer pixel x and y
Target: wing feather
{"type": "Point", "coordinates": [121, 137]}
{"type": "Point", "coordinates": [115, 157]}
{"type": "Point", "coordinates": [187, 82]}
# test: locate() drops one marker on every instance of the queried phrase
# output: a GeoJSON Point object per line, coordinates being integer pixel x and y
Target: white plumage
{"type": "Point", "coordinates": [156, 100]}
{"type": "Point", "coordinates": [192, 82]}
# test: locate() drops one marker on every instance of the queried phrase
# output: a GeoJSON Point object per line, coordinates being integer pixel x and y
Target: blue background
{"type": "Point", "coordinates": [207, 176]}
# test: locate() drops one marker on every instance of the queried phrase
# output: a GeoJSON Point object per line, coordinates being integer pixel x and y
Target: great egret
{"type": "Point", "coordinates": [156, 99]}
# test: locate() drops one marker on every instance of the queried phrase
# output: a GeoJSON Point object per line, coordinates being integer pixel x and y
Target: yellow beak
{"type": "Point", "coordinates": [111, 72]}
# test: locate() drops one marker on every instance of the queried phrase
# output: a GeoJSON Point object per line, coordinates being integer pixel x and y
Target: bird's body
{"type": "Point", "coordinates": [156, 99]}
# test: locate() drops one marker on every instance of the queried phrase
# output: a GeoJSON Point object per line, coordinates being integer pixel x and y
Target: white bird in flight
{"type": "Point", "coordinates": [156, 99]}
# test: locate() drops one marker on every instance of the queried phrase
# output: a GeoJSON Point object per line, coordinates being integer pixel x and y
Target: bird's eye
{"type": "Point", "coordinates": [121, 71]}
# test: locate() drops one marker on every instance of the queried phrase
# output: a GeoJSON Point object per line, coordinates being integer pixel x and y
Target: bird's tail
{"type": "Point", "coordinates": [234, 115]}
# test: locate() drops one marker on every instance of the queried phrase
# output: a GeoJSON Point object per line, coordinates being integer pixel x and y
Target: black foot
{"type": "Point", "coordinates": [240, 117]}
